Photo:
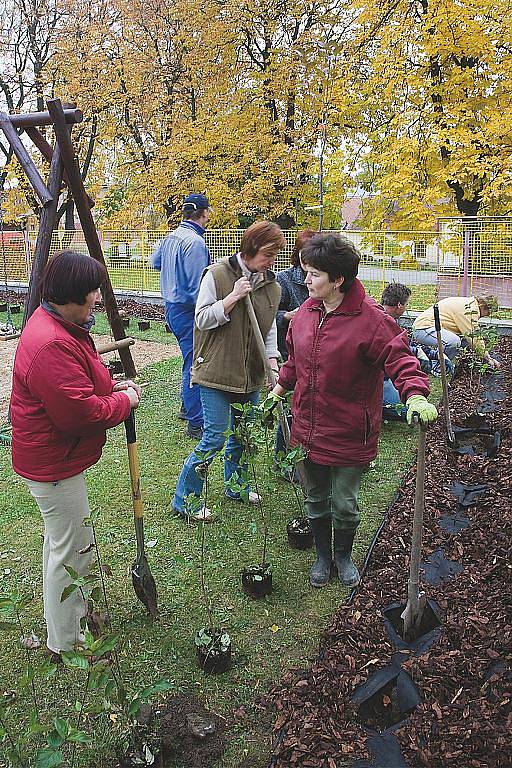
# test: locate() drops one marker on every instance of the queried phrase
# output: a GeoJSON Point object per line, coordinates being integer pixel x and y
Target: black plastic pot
{"type": "Point", "coordinates": [115, 367]}
{"type": "Point", "coordinates": [143, 325]}
{"type": "Point", "coordinates": [257, 580]}
{"type": "Point", "coordinates": [3, 307]}
{"type": "Point", "coordinates": [126, 322]}
{"type": "Point", "coordinates": [213, 657]}
{"type": "Point", "coordinates": [15, 309]}
{"type": "Point", "coordinates": [300, 535]}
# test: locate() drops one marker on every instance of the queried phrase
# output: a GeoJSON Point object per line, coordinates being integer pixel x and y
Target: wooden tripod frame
{"type": "Point", "coordinates": [64, 167]}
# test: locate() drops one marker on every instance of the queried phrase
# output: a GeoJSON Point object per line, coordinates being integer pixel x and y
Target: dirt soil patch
{"type": "Point", "coordinates": [181, 733]}
{"type": "Point", "coordinates": [464, 678]}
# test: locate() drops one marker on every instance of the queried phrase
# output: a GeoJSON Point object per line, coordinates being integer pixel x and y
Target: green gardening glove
{"type": "Point", "coordinates": [267, 408]}
{"type": "Point", "coordinates": [427, 412]}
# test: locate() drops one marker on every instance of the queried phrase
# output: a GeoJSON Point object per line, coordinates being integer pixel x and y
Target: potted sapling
{"type": "Point", "coordinates": [286, 464]}
{"type": "Point", "coordinates": [213, 644]}
{"type": "Point", "coordinates": [257, 578]}
{"type": "Point", "coordinates": [298, 529]}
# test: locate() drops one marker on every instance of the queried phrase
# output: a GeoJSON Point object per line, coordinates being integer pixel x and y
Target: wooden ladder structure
{"type": "Point", "coordinates": [64, 169]}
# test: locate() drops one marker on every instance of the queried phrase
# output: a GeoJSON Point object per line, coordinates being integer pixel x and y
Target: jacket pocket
{"type": "Point", "coordinates": [72, 448]}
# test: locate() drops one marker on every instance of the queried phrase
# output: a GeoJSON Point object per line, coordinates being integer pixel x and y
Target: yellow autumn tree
{"type": "Point", "coordinates": [422, 95]}
{"type": "Point", "coordinates": [200, 95]}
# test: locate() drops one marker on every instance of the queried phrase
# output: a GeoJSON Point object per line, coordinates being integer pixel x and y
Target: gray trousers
{"type": "Point", "coordinates": [333, 491]}
{"type": "Point", "coordinates": [64, 506]}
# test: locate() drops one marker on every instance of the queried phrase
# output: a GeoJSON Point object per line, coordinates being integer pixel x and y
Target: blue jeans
{"type": "Point", "coordinates": [180, 319]}
{"type": "Point", "coordinates": [390, 399]}
{"type": "Point", "coordinates": [218, 416]}
{"type": "Point", "coordinates": [427, 337]}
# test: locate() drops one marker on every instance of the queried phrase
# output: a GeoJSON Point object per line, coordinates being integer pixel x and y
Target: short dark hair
{"type": "Point", "coordinates": [69, 276]}
{"type": "Point", "coordinates": [395, 294]}
{"type": "Point", "coordinates": [335, 255]}
{"type": "Point", "coordinates": [194, 205]}
{"type": "Point", "coordinates": [261, 234]}
{"type": "Point", "coordinates": [302, 237]}
{"type": "Point", "coordinates": [191, 215]}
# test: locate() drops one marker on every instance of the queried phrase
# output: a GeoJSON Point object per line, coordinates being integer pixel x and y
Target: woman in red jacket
{"type": "Point", "coordinates": [340, 345]}
{"type": "Point", "coordinates": [63, 399]}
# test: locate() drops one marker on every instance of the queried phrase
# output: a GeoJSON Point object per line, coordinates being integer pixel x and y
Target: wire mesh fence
{"type": "Point", "coordinates": [476, 258]}
{"type": "Point", "coordinates": [463, 257]}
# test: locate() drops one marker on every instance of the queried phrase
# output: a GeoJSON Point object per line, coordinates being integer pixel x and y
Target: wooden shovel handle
{"type": "Point", "coordinates": [133, 461]}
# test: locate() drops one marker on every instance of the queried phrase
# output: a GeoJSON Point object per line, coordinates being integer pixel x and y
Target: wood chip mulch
{"type": "Point", "coordinates": [464, 680]}
{"type": "Point", "coordinates": [132, 307]}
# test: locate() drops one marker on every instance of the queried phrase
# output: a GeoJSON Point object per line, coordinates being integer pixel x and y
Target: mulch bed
{"type": "Point", "coordinates": [132, 308]}
{"type": "Point", "coordinates": [464, 679]}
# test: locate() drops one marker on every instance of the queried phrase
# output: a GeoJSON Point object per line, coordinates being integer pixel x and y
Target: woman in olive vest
{"type": "Point", "coordinates": [227, 365]}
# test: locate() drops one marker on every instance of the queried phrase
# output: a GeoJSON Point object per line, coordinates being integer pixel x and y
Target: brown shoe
{"type": "Point", "coordinates": [52, 656]}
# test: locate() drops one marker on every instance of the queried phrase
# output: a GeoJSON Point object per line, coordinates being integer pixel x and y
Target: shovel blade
{"type": "Point", "coordinates": [144, 585]}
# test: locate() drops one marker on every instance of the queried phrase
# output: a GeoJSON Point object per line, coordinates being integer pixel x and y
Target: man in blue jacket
{"type": "Point", "coordinates": [181, 258]}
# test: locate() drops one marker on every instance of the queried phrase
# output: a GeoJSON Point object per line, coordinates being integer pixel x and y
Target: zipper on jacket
{"type": "Point", "coordinates": [313, 377]}
{"type": "Point", "coordinates": [367, 427]}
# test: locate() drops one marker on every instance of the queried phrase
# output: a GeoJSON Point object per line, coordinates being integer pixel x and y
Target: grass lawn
{"type": "Point", "coordinates": [268, 636]}
{"type": "Point", "coordinates": [156, 331]}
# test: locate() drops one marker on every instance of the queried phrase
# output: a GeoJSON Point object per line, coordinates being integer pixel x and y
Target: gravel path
{"type": "Point", "coordinates": [144, 353]}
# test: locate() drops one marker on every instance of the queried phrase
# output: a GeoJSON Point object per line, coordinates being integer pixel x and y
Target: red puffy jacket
{"type": "Point", "coordinates": [62, 400]}
{"type": "Point", "coordinates": [336, 365]}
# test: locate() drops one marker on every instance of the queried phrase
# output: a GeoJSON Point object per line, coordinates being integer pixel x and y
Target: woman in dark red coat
{"type": "Point", "coordinates": [340, 345]}
{"type": "Point", "coordinates": [63, 399]}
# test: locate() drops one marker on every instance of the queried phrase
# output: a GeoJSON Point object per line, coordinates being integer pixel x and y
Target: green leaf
{"type": "Point", "coordinates": [55, 740]}
{"type": "Point", "coordinates": [134, 707]}
{"type": "Point", "coordinates": [49, 758]}
{"type": "Point", "coordinates": [79, 737]}
{"type": "Point", "coordinates": [34, 725]}
{"type": "Point", "coordinates": [47, 669]}
{"type": "Point", "coordinates": [74, 659]}
{"type": "Point", "coordinates": [96, 594]}
{"type": "Point", "coordinates": [67, 591]}
{"type": "Point", "coordinates": [61, 726]}
{"type": "Point", "coordinates": [158, 687]}
{"type": "Point", "coordinates": [74, 574]}
{"type": "Point", "coordinates": [23, 601]}
{"type": "Point", "coordinates": [104, 645]}
{"type": "Point", "coordinates": [27, 678]}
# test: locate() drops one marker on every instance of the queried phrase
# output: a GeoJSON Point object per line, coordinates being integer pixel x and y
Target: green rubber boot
{"type": "Point", "coordinates": [321, 570]}
{"type": "Point", "coordinates": [347, 571]}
